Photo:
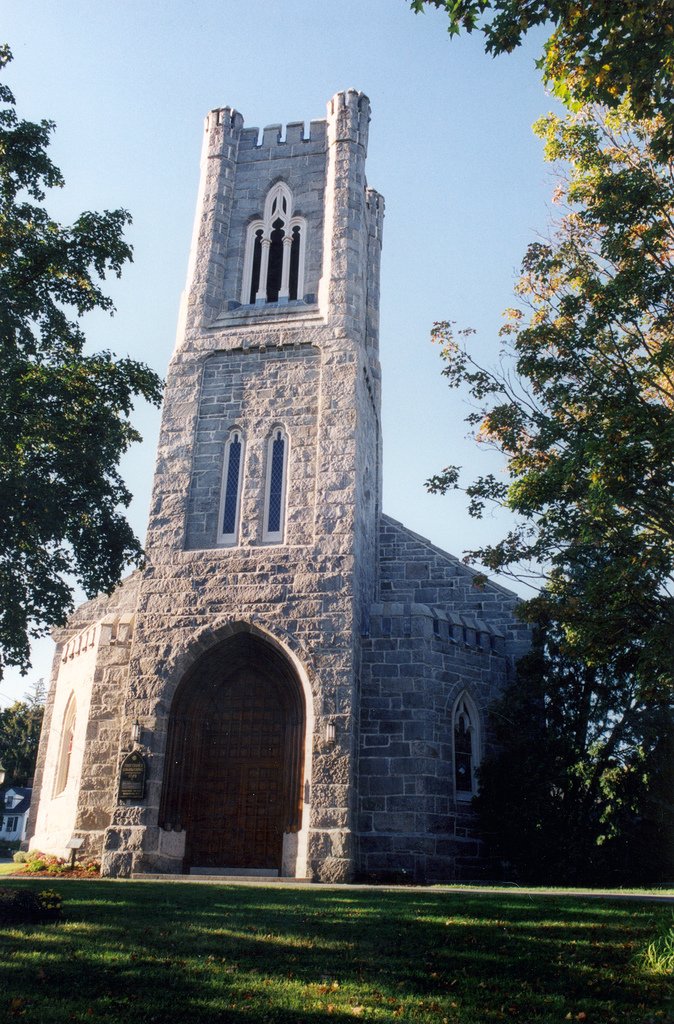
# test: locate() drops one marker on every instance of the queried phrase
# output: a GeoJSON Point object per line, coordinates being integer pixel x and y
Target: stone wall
{"type": "Point", "coordinates": [91, 663]}
{"type": "Point", "coordinates": [295, 157]}
{"type": "Point", "coordinates": [261, 389]}
{"type": "Point", "coordinates": [419, 658]}
{"type": "Point", "coordinates": [414, 570]}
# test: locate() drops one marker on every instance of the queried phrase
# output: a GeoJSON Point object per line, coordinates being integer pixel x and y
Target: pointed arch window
{"type": "Point", "coordinates": [66, 746]}
{"type": "Point", "coordinates": [466, 734]}
{"type": "Point", "coordinates": [276, 486]}
{"type": "Point", "coordinates": [232, 485]}
{"type": "Point", "coordinates": [274, 261]}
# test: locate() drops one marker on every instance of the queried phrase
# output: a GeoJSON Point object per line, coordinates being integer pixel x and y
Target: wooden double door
{"type": "Point", "coordinates": [234, 776]}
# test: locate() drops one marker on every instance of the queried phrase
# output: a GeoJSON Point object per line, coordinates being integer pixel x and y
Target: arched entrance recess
{"type": "Point", "coordinates": [235, 754]}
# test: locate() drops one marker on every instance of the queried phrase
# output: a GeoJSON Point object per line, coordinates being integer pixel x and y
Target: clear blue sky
{"type": "Point", "coordinates": [128, 84]}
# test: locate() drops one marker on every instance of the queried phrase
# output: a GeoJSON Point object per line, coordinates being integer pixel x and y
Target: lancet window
{"type": "Point", "coordinates": [274, 262]}
{"type": "Point", "coordinates": [276, 485]}
{"type": "Point", "coordinates": [466, 747]}
{"type": "Point", "coordinates": [66, 746]}
{"type": "Point", "coordinates": [232, 480]}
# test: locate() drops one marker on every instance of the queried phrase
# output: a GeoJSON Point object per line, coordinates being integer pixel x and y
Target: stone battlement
{"type": "Point", "coordinates": [112, 629]}
{"type": "Point", "coordinates": [350, 107]}
{"type": "Point", "coordinates": [230, 123]}
{"type": "Point", "coordinates": [282, 136]}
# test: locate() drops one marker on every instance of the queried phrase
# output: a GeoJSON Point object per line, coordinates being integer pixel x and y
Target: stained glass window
{"type": "Point", "coordinates": [231, 488]}
{"type": "Point", "coordinates": [466, 752]}
{"type": "Point", "coordinates": [232, 485]}
{"type": "Point", "coordinates": [276, 483]}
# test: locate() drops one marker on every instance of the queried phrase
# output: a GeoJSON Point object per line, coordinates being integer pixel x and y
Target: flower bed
{"type": "Point", "coordinates": [39, 864]}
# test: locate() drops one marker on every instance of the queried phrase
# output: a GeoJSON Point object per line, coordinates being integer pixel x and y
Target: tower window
{"type": "Point", "coordinates": [466, 747]}
{"type": "Point", "coordinates": [232, 478]}
{"type": "Point", "coordinates": [274, 261]}
{"type": "Point", "coordinates": [294, 262]}
{"type": "Point", "coordinates": [274, 506]}
{"type": "Point", "coordinates": [257, 257]}
{"type": "Point", "coordinates": [275, 270]}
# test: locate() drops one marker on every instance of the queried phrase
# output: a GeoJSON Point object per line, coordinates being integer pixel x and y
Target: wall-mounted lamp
{"type": "Point", "coordinates": [3, 774]}
{"type": "Point", "coordinates": [135, 731]}
{"type": "Point", "coordinates": [330, 733]}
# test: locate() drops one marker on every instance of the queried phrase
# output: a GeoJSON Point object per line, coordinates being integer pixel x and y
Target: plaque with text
{"type": "Point", "coordinates": [132, 777]}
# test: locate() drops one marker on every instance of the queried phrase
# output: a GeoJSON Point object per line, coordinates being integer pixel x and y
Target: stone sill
{"type": "Point", "coordinates": [286, 313]}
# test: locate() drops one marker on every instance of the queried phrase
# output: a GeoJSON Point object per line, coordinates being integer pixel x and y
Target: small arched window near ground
{"type": "Point", "coordinates": [232, 485]}
{"type": "Point", "coordinates": [465, 723]}
{"type": "Point", "coordinates": [273, 268]}
{"type": "Point", "coordinates": [66, 746]}
{"type": "Point", "coordinates": [276, 486]}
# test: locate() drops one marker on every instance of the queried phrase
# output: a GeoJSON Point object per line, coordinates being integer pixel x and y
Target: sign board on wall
{"type": "Point", "coordinates": [132, 777]}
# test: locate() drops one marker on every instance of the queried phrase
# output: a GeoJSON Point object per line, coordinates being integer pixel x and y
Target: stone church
{"type": "Point", "coordinates": [295, 684]}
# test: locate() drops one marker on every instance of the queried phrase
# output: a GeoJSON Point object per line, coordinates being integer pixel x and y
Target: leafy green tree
{"type": "Point", "coordinates": [586, 418]}
{"type": "Point", "coordinates": [579, 790]}
{"type": "Point", "coordinates": [65, 416]}
{"type": "Point", "coordinates": [598, 52]}
{"type": "Point", "coordinates": [20, 726]}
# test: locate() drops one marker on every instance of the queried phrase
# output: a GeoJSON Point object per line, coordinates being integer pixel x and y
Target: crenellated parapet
{"type": "Point", "coordinates": [283, 138]}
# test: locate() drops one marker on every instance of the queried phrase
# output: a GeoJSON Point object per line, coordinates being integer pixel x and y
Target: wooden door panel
{"type": "Point", "coordinates": [233, 776]}
{"type": "Point", "coordinates": [235, 820]}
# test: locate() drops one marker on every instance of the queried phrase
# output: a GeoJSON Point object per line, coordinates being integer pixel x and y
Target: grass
{"type": "Point", "coordinates": [10, 869]}
{"type": "Point", "coordinates": [658, 958]}
{"type": "Point", "coordinates": [154, 953]}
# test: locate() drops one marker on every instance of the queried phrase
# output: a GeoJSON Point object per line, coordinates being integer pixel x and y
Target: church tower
{"type": "Point", "coordinates": [229, 664]}
{"type": "Point", "coordinates": [294, 684]}
{"type": "Point", "coordinates": [262, 540]}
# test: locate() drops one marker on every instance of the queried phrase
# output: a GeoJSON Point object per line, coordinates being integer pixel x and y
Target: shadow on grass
{"type": "Point", "coordinates": [188, 953]}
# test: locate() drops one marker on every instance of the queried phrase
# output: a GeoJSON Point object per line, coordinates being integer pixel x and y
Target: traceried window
{"type": "Point", "coordinates": [276, 485]}
{"type": "Point", "coordinates": [66, 746]}
{"type": "Point", "coordinates": [232, 480]}
{"type": "Point", "coordinates": [466, 747]}
{"type": "Point", "coordinates": [274, 262]}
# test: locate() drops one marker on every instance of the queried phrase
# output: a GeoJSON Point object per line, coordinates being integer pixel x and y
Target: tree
{"type": "Point", "coordinates": [579, 790]}
{"type": "Point", "coordinates": [20, 726]}
{"type": "Point", "coordinates": [65, 418]}
{"type": "Point", "coordinates": [598, 52]}
{"type": "Point", "coordinates": [586, 418]}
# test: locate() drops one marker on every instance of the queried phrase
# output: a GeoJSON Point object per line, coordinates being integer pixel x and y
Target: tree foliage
{"type": "Point", "coordinates": [20, 726]}
{"type": "Point", "coordinates": [598, 52]}
{"type": "Point", "coordinates": [65, 418]}
{"type": "Point", "coordinates": [585, 418]}
{"type": "Point", "coordinates": [580, 789]}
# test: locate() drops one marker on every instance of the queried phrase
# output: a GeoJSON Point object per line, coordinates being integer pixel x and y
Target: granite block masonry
{"type": "Point", "coordinates": [305, 679]}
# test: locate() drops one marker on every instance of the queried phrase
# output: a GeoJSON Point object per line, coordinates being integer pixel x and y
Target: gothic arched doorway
{"type": "Point", "coordinates": [235, 753]}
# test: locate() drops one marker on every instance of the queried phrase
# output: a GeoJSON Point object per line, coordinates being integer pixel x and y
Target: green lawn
{"type": "Point", "coordinates": [148, 953]}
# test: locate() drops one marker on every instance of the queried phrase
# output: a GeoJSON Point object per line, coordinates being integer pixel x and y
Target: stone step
{"type": "Point", "coordinates": [226, 878]}
{"type": "Point", "coordinates": [248, 872]}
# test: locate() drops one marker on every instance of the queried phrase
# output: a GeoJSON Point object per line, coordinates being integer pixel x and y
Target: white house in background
{"type": "Point", "coordinates": [15, 814]}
